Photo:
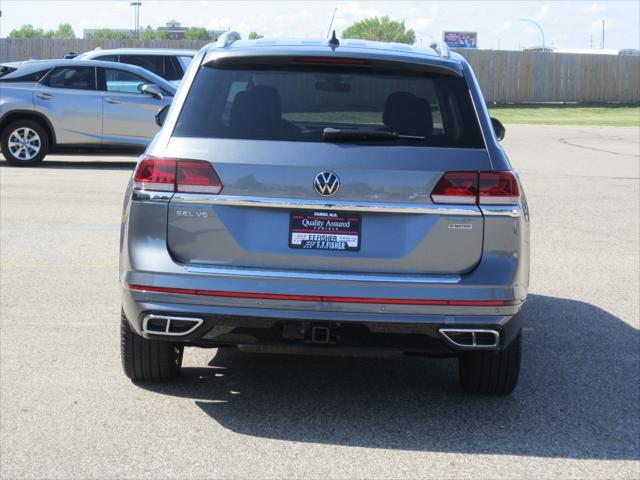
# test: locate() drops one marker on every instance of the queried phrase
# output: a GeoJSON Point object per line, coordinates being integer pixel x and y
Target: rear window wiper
{"type": "Point", "coordinates": [336, 135]}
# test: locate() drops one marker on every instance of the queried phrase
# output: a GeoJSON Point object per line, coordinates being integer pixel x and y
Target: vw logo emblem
{"type": "Point", "coordinates": [326, 183]}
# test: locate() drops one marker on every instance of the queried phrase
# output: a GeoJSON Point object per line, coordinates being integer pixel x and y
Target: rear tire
{"type": "Point", "coordinates": [491, 373]}
{"type": "Point", "coordinates": [148, 360]}
{"type": "Point", "coordinates": [29, 143]}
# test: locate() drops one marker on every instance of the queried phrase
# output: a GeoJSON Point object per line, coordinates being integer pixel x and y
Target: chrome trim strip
{"type": "Point", "coordinates": [168, 318]}
{"type": "Point", "coordinates": [473, 331]}
{"type": "Point", "coordinates": [514, 211]}
{"type": "Point", "coordinates": [150, 195]}
{"type": "Point", "coordinates": [352, 206]}
{"type": "Point", "coordinates": [354, 277]}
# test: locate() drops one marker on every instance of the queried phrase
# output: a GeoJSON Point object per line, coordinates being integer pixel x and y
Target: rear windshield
{"type": "Point", "coordinates": [297, 104]}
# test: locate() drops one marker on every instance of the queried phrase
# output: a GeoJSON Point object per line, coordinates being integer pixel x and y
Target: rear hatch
{"type": "Point", "coordinates": [325, 167]}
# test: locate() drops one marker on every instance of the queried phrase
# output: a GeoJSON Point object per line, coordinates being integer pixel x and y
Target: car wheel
{"type": "Point", "coordinates": [492, 373]}
{"type": "Point", "coordinates": [24, 143]}
{"type": "Point", "coordinates": [148, 360]}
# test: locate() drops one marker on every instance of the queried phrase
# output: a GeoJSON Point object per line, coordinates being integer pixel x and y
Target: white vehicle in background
{"type": "Point", "coordinates": [167, 63]}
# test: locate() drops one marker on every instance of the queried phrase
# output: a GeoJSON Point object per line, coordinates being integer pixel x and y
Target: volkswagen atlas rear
{"type": "Point", "coordinates": [314, 197]}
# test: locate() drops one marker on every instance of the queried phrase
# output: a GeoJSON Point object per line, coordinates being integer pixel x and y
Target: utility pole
{"type": "Point", "coordinates": [137, 4]}
{"type": "Point", "coordinates": [603, 33]}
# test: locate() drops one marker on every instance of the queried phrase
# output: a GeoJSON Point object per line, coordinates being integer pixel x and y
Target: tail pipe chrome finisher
{"type": "Point", "coordinates": [154, 324]}
{"type": "Point", "coordinates": [472, 337]}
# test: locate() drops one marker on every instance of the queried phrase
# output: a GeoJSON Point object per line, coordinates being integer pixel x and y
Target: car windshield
{"type": "Point", "coordinates": [299, 103]}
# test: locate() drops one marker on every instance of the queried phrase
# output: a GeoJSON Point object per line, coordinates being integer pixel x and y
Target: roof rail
{"type": "Point", "coordinates": [227, 38]}
{"type": "Point", "coordinates": [441, 48]}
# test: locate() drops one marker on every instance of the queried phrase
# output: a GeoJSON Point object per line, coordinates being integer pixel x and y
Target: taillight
{"type": "Point", "coordinates": [155, 174]}
{"type": "Point", "coordinates": [477, 188]}
{"type": "Point", "coordinates": [171, 175]}
{"type": "Point", "coordinates": [456, 187]}
{"type": "Point", "coordinates": [498, 188]}
{"type": "Point", "coordinates": [197, 177]}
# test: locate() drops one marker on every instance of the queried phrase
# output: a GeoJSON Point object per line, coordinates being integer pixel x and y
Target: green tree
{"type": "Point", "coordinates": [148, 34]}
{"type": "Point", "coordinates": [27, 31]}
{"type": "Point", "coordinates": [65, 31]}
{"type": "Point", "coordinates": [161, 34]}
{"type": "Point", "coordinates": [382, 29]}
{"type": "Point", "coordinates": [107, 34]}
{"type": "Point", "coordinates": [196, 33]}
{"type": "Point", "coordinates": [255, 36]}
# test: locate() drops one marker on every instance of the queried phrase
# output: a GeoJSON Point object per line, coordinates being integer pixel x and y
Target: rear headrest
{"type": "Point", "coordinates": [406, 114]}
{"type": "Point", "coordinates": [256, 110]}
{"type": "Point", "coordinates": [270, 98]}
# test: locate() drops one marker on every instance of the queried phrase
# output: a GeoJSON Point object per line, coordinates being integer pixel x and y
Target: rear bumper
{"type": "Point", "coordinates": [232, 321]}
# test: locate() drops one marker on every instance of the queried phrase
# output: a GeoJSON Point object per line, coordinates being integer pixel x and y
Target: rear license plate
{"type": "Point", "coordinates": [323, 230]}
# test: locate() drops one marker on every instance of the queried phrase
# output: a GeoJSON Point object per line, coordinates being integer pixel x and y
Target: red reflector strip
{"type": "Point", "coordinates": [318, 298]}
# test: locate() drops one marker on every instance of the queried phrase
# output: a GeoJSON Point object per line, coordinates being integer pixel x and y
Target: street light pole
{"type": "Point", "coordinates": [137, 16]}
{"type": "Point", "coordinates": [537, 25]}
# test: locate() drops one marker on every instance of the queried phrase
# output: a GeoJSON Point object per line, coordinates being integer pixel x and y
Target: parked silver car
{"type": "Point", "coordinates": [322, 197]}
{"type": "Point", "coordinates": [168, 63]}
{"type": "Point", "coordinates": [77, 103]}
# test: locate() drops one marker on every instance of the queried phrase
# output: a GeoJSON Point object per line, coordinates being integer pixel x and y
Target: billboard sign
{"type": "Point", "coordinates": [461, 39]}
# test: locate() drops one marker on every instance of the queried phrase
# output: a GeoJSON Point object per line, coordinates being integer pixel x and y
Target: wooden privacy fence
{"type": "Point", "coordinates": [536, 77]}
{"type": "Point", "coordinates": [505, 76]}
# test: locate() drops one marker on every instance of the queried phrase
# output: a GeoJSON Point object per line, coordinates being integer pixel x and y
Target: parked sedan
{"type": "Point", "coordinates": [77, 103]}
{"type": "Point", "coordinates": [168, 63]}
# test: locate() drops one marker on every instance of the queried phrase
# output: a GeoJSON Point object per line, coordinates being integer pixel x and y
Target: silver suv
{"type": "Point", "coordinates": [77, 103]}
{"type": "Point", "coordinates": [322, 197]}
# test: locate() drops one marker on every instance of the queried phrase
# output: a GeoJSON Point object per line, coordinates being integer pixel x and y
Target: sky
{"type": "Point", "coordinates": [566, 24]}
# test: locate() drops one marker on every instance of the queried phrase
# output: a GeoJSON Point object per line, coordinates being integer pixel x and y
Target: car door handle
{"type": "Point", "coordinates": [111, 100]}
{"type": "Point", "coordinates": [45, 96]}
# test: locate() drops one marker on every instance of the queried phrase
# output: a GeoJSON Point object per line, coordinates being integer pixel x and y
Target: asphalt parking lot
{"type": "Point", "coordinates": [68, 411]}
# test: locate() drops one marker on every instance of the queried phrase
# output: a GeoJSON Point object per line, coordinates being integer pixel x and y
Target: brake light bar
{"type": "Point", "coordinates": [176, 175]}
{"type": "Point", "coordinates": [332, 60]}
{"type": "Point", "coordinates": [323, 298]}
{"type": "Point", "coordinates": [477, 188]}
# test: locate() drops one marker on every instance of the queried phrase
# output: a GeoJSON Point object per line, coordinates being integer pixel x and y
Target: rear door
{"type": "Point", "coordinates": [128, 114]}
{"type": "Point", "coordinates": [294, 199]}
{"type": "Point", "coordinates": [69, 98]}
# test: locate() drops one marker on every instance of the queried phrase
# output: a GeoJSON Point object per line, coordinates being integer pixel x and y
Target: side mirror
{"type": "Point", "coordinates": [498, 128]}
{"type": "Point", "coordinates": [161, 116]}
{"type": "Point", "coordinates": [153, 90]}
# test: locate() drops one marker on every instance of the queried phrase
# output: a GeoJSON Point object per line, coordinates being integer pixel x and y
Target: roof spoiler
{"type": "Point", "coordinates": [227, 38]}
{"type": "Point", "coordinates": [441, 48]}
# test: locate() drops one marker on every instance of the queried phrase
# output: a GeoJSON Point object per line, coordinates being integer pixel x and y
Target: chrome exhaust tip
{"type": "Point", "coordinates": [153, 324]}
{"type": "Point", "coordinates": [472, 337]}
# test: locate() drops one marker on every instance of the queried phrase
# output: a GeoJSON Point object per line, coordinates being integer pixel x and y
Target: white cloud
{"type": "Point", "coordinates": [594, 8]}
{"type": "Point", "coordinates": [220, 23]}
{"type": "Point", "coordinates": [506, 25]}
{"type": "Point", "coordinates": [357, 11]}
{"type": "Point", "coordinates": [543, 12]}
{"type": "Point", "coordinates": [419, 24]}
